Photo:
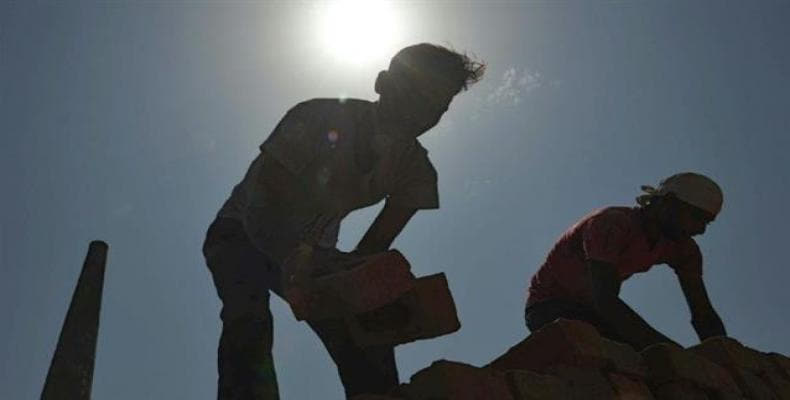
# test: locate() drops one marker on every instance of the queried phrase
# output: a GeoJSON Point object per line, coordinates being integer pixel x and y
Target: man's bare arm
{"type": "Point", "coordinates": [388, 224]}
{"type": "Point", "coordinates": [618, 315]}
{"type": "Point", "coordinates": [704, 318]}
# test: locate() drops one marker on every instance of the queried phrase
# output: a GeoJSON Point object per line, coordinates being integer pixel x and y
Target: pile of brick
{"type": "Point", "coordinates": [569, 360]}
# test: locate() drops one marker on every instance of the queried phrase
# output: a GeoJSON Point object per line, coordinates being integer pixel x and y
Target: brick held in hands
{"type": "Point", "coordinates": [670, 363]}
{"type": "Point", "coordinates": [457, 381]}
{"type": "Point", "coordinates": [528, 385]}
{"type": "Point", "coordinates": [679, 391]}
{"type": "Point", "coordinates": [380, 279]}
{"type": "Point", "coordinates": [563, 341]}
{"type": "Point", "coordinates": [424, 312]}
{"type": "Point", "coordinates": [627, 387]}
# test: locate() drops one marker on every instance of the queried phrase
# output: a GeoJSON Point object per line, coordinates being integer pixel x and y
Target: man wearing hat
{"type": "Point", "coordinates": [583, 272]}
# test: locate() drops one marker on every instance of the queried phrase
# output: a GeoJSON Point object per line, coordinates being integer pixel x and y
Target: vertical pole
{"type": "Point", "coordinates": [71, 372]}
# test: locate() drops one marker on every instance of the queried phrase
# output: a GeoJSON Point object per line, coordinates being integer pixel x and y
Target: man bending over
{"type": "Point", "coordinates": [582, 274]}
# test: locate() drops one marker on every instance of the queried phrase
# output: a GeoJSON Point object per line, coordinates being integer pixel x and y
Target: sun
{"type": "Point", "coordinates": [357, 32]}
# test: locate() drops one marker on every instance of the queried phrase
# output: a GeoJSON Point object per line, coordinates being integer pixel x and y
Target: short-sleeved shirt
{"type": "Point", "coordinates": [342, 159]}
{"type": "Point", "coordinates": [614, 235]}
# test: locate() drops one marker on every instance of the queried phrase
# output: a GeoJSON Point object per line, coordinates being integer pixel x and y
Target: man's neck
{"type": "Point", "coordinates": [390, 123]}
{"type": "Point", "coordinates": [650, 225]}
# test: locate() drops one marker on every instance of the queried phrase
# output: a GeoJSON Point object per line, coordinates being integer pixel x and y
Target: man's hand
{"type": "Point", "coordinates": [704, 319]}
{"type": "Point", "coordinates": [388, 224]}
{"type": "Point", "coordinates": [619, 316]}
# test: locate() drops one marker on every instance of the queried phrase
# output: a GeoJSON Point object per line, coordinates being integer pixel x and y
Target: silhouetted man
{"type": "Point", "coordinates": [326, 158]}
{"type": "Point", "coordinates": [582, 274]}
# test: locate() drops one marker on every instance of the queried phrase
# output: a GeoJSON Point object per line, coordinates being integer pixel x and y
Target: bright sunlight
{"type": "Point", "coordinates": [358, 32]}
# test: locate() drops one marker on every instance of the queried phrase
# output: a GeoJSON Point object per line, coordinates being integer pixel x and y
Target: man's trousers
{"type": "Point", "coordinates": [243, 277]}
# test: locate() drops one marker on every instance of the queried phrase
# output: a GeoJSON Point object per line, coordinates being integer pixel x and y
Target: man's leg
{"type": "Point", "coordinates": [245, 363]}
{"type": "Point", "coordinates": [540, 314]}
{"type": "Point", "coordinates": [243, 277]}
{"type": "Point", "coordinates": [361, 370]}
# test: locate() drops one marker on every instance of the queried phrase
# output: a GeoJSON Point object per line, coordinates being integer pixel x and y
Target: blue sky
{"type": "Point", "coordinates": [131, 122]}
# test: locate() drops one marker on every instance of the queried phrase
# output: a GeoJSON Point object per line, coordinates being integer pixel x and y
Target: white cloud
{"type": "Point", "coordinates": [515, 85]}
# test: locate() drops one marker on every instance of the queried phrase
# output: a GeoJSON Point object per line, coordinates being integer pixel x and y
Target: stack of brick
{"type": "Point", "coordinates": [569, 360]}
{"type": "Point", "coordinates": [678, 374]}
{"type": "Point", "coordinates": [760, 376]}
{"type": "Point", "coordinates": [453, 380]}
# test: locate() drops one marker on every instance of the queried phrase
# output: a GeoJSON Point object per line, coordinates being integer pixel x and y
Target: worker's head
{"type": "Point", "coordinates": [684, 204]}
{"type": "Point", "coordinates": [421, 82]}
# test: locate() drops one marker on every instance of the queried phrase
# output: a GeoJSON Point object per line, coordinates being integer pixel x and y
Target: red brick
{"type": "Point", "coordinates": [629, 388]}
{"type": "Point", "coordinates": [528, 385]}
{"type": "Point", "coordinates": [426, 311]}
{"type": "Point", "coordinates": [622, 358]}
{"type": "Point", "coordinates": [457, 381]}
{"type": "Point", "coordinates": [730, 354]}
{"type": "Point", "coordinates": [779, 384]}
{"type": "Point", "coordinates": [679, 391]}
{"type": "Point", "coordinates": [748, 367]}
{"type": "Point", "coordinates": [378, 280]}
{"type": "Point", "coordinates": [752, 386]}
{"type": "Point", "coordinates": [781, 363]}
{"type": "Point", "coordinates": [670, 363]}
{"type": "Point", "coordinates": [560, 342]}
{"type": "Point", "coordinates": [374, 397]}
{"type": "Point", "coordinates": [584, 383]}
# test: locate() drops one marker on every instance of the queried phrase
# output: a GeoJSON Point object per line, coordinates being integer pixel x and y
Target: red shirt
{"type": "Point", "coordinates": [614, 235]}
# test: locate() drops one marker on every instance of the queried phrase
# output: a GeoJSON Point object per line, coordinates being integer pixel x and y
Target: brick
{"type": "Point", "coordinates": [679, 391]}
{"type": "Point", "coordinates": [622, 358]}
{"type": "Point", "coordinates": [374, 282]}
{"type": "Point", "coordinates": [629, 388]}
{"type": "Point", "coordinates": [778, 383]}
{"type": "Point", "coordinates": [762, 359]}
{"type": "Point", "coordinates": [747, 366]}
{"type": "Point", "coordinates": [426, 311]}
{"type": "Point", "coordinates": [563, 341]}
{"type": "Point", "coordinates": [374, 397]}
{"type": "Point", "coordinates": [781, 363]}
{"type": "Point", "coordinates": [752, 386]}
{"type": "Point", "coordinates": [731, 354]}
{"type": "Point", "coordinates": [457, 381]}
{"type": "Point", "coordinates": [670, 363]}
{"type": "Point", "coordinates": [584, 383]}
{"type": "Point", "coordinates": [528, 385]}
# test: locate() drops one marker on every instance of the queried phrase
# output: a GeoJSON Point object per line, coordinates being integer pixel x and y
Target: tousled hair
{"type": "Point", "coordinates": [426, 58]}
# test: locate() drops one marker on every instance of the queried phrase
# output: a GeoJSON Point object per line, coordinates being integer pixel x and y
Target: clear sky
{"type": "Point", "coordinates": [131, 122]}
